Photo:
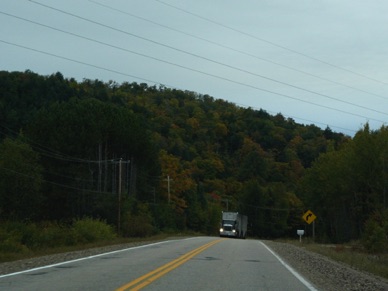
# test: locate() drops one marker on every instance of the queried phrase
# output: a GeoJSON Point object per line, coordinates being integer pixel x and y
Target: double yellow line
{"type": "Point", "coordinates": [148, 278]}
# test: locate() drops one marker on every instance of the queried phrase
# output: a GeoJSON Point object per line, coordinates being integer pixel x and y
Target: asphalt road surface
{"type": "Point", "coordinates": [201, 263]}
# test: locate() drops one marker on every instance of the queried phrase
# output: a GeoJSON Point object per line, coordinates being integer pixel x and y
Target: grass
{"type": "Point", "coordinates": [352, 254]}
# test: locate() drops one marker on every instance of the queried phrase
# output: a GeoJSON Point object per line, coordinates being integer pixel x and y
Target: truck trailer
{"type": "Point", "coordinates": [233, 224]}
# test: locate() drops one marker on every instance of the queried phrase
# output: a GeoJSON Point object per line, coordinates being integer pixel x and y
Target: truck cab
{"type": "Point", "coordinates": [228, 229]}
{"type": "Point", "coordinates": [233, 224]}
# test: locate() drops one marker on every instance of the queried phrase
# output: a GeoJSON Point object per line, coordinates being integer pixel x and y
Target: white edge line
{"type": "Point", "coordinates": [82, 259]}
{"type": "Point", "coordinates": [295, 273]}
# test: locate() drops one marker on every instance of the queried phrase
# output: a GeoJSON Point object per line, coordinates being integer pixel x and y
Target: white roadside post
{"type": "Point", "coordinates": [300, 232]}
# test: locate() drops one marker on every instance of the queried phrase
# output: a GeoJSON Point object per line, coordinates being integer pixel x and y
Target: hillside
{"type": "Point", "coordinates": [169, 159]}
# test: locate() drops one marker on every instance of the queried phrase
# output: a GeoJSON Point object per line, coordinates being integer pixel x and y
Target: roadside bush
{"type": "Point", "coordinates": [88, 230]}
{"type": "Point", "coordinates": [11, 246]}
{"type": "Point", "coordinates": [10, 242]}
{"type": "Point", "coordinates": [13, 237]}
{"type": "Point", "coordinates": [137, 226]}
{"type": "Point", "coordinates": [18, 233]}
{"type": "Point", "coordinates": [53, 234]}
{"type": "Point", "coordinates": [375, 238]}
{"type": "Point", "coordinates": [19, 237]}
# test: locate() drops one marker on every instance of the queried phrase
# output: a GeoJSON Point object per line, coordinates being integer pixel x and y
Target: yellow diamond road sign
{"type": "Point", "coordinates": [309, 216]}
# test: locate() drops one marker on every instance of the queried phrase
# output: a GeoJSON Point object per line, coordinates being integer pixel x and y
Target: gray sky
{"type": "Point", "coordinates": [316, 61]}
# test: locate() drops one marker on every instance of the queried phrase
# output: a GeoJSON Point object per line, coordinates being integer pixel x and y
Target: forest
{"type": "Point", "coordinates": [149, 159]}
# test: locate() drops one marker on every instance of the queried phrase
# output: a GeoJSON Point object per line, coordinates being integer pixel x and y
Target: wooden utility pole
{"type": "Point", "coordinates": [119, 200]}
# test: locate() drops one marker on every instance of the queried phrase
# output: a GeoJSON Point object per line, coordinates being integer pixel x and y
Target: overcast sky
{"type": "Point", "coordinates": [315, 61]}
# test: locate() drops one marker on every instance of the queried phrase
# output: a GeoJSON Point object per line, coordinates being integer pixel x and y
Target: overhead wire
{"type": "Point", "coordinates": [54, 183]}
{"type": "Point", "coordinates": [198, 71]}
{"type": "Point", "coordinates": [52, 153]}
{"type": "Point", "coordinates": [68, 158]}
{"type": "Point", "coordinates": [181, 66]}
{"type": "Point", "coordinates": [236, 50]}
{"type": "Point", "coordinates": [271, 43]}
{"type": "Point", "coordinates": [197, 56]}
{"type": "Point", "coordinates": [247, 54]}
{"type": "Point", "coordinates": [55, 154]}
{"type": "Point", "coordinates": [78, 62]}
{"type": "Point", "coordinates": [300, 118]}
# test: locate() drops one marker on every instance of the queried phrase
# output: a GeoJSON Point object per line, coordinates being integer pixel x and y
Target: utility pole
{"type": "Point", "coordinates": [119, 201]}
{"type": "Point", "coordinates": [99, 183]}
{"type": "Point", "coordinates": [384, 185]}
{"type": "Point", "coordinates": [132, 178]}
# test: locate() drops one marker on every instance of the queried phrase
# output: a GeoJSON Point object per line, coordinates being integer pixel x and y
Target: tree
{"type": "Point", "coordinates": [20, 180]}
{"type": "Point", "coordinates": [253, 161]}
{"type": "Point", "coordinates": [327, 189]}
{"type": "Point", "coordinates": [176, 181]}
{"type": "Point", "coordinates": [214, 151]}
{"type": "Point", "coordinates": [85, 138]}
{"type": "Point", "coordinates": [252, 203]}
{"type": "Point", "coordinates": [345, 187]}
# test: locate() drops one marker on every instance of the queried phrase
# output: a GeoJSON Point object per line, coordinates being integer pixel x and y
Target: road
{"type": "Point", "coordinates": [201, 263]}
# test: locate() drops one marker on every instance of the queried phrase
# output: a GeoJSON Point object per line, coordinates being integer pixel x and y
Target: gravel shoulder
{"type": "Point", "coordinates": [324, 273]}
{"type": "Point", "coordinates": [320, 271]}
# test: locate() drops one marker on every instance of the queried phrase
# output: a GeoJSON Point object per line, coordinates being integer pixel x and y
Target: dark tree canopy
{"type": "Point", "coordinates": [178, 158]}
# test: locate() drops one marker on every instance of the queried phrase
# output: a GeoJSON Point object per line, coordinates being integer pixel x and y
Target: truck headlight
{"type": "Point", "coordinates": [221, 229]}
{"type": "Point", "coordinates": [234, 230]}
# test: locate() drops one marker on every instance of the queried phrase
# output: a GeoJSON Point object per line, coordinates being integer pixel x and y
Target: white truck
{"type": "Point", "coordinates": [233, 224]}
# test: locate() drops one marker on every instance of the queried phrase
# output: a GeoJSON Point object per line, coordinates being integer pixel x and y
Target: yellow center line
{"type": "Point", "coordinates": [161, 271]}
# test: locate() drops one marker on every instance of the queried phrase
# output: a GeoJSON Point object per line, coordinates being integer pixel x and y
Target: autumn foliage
{"type": "Point", "coordinates": [150, 158]}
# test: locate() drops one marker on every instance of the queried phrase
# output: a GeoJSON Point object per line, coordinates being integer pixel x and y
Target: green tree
{"type": "Point", "coordinates": [345, 187]}
{"type": "Point", "coordinates": [252, 203]}
{"type": "Point", "coordinates": [20, 180]}
{"type": "Point", "coordinates": [85, 139]}
{"type": "Point", "coordinates": [326, 191]}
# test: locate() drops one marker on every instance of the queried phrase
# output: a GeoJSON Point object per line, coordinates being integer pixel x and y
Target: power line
{"type": "Point", "coordinates": [236, 50]}
{"type": "Point", "coordinates": [174, 64]}
{"type": "Point", "coordinates": [102, 68]}
{"type": "Point", "coordinates": [198, 71]}
{"type": "Point", "coordinates": [188, 53]}
{"type": "Point", "coordinates": [170, 63]}
{"type": "Point", "coordinates": [272, 208]}
{"type": "Point", "coordinates": [300, 118]}
{"type": "Point", "coordinates": [271, 43]}
{"type": "Point", "coordinates": [54, 154]}
{"type": "Point", "coordinates": [78, 62]}
{"type": "Point", "coordinates": [53, 183]}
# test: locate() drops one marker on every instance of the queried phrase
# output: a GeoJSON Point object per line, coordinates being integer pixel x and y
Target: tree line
{"type": "Point", "coordinates": [151, 158]}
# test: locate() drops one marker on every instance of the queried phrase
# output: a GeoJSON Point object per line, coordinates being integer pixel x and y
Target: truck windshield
{"type": "Point", "coordinates": [231, 222]}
